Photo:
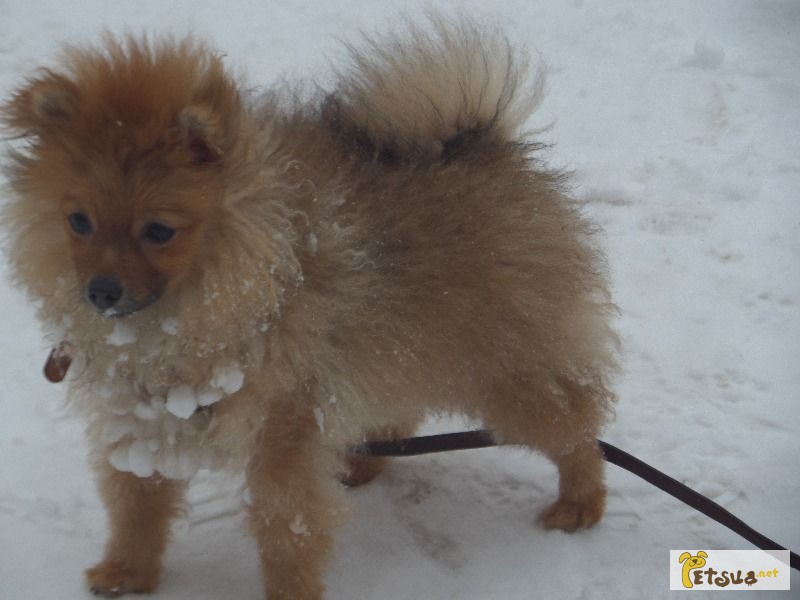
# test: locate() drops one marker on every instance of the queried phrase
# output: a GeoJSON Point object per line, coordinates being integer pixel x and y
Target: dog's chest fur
{"type": "Point", "coordinates": [153, 396]}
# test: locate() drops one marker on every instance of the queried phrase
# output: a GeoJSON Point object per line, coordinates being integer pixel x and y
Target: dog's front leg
{"type": "Point", "coordinates": [292, 502]}
{"type": "Point", "coordinates": [139, 511]}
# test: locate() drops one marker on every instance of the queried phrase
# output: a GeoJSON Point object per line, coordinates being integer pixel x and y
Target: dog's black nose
{"type": "Point", "coordinates": [104, 292]}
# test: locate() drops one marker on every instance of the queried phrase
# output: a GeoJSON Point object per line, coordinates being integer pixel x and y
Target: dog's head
{"type": "Point", "coordinates": [691, 562]}
{"type": "Point", "coordinates": [127, 151]}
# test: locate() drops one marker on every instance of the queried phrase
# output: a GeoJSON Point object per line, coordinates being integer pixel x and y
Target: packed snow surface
{"type": "Point", "coordinates": [681, 123]}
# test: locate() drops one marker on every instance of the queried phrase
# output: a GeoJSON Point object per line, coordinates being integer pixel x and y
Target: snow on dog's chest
{"type": "Point", "coordinates": [156, 420]}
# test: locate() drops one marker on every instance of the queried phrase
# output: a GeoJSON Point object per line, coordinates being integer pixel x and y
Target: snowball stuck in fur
{"type": "Point", "coordinates": [119, 459]}
{"type": "Point", "coordinates": [155, 434]}
{"type": "Point", "coordinates": [140, 459]}
{"type": "Point", "coordinates": [122, 335]}
{"type": "Point", "coordinates": [228, 378]}
{"type": "Point", "coordinates": [145, 411]}
{"type": "Point", "coordinates": [319, 417]}
{"type": "Point", "coordinates": [170, 326]}
{"type": "Point", "coordinates": [298, 526]}
{"type": "Point", "coordinates": [116, 429]}
{"type": "Point", "coordinates": [209, 396]}
{"type": "Point", "coordinates": [182, 401]}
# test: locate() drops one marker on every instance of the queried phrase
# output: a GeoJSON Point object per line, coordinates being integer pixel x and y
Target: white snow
{"type": "Point", "coordinates": [299, 527]}
{"type": "Point", "coordinates": [104, 390]}
{"type": "Point", "coordinates": [209, 396]}
{"type": "Point", "coordinates": [140, 458]}
{"type": "Point", "coordinates": [706, 56]}
{"type": "Point", "coordinates": [116, 429]}
{"type": "Point", "coordinates": [122, 335]}
{"type": "Point", "coordinates": [319, 417]}
{"type": "Point", "coordinates": [146, 411]}
{"type": "Point", "coordinates": [681, 123]}
{"type": "Point", "coordinates": [120, 458]}
{"type": "Point", "coordinates": [170, 326]}
{"type": "Point", "coordinates": [228, 378]}
{"type": "Point", "coordinates": [182, 401]}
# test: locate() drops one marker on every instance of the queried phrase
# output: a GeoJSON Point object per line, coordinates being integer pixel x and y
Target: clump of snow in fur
{"type": "Point", "coordinates": [209, 396]}
{"type": "Point", "coordinates": [228, 378]}
{"type": "Point", "coordinates": [319, 416]}
{"type": "Point", "coordinates": [119, 459]}
{"type": "Point", "coordinates": [146, 411]}
{"type": "Point", "coordinates": [298, 526]}
{"type": "Point", "coordinates": [141, 459]}
{"type": "Point", "coordinates": [170, 326]}
{"type": "Point", "coordinates": [165, 435]}
{"type": "Point", "coordinates": [122, 335]}
{"type": "Point", "coordinates": [182, 401]}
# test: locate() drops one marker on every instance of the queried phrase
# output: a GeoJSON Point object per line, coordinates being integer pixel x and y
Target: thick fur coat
{"type": "Point", "coordinates": [342, 265]}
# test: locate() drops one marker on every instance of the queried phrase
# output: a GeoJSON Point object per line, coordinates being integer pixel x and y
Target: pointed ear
{"type": "Point", "coordinates": [203, 133]}
{"type": "Point", "coordinates": [45, 104]}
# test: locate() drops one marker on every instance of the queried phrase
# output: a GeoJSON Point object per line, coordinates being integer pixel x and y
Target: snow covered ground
{"type": "Point", "coordinates": [681, 121]}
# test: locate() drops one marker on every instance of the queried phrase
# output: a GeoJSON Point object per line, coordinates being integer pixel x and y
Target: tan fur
{"type": "Point", "coordinates": [363, 469]}
{"type": "Point", "coordinates": [140, 512]}
{"type": "Point", "coordinates": [367, 258]}
{"type": "Point", "coordinates": [418, 90]}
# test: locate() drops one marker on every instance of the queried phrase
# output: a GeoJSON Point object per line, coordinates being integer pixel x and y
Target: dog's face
{"type": "Point", "coordinates": [133, 237]}
{"type": "Point", "coordinates": [693, 562]}
{"type": "Point", "coordinates": [127, 150]}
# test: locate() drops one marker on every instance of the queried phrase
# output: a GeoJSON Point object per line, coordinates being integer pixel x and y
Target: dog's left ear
{"type": "Point", "coordinates": [45, 104]}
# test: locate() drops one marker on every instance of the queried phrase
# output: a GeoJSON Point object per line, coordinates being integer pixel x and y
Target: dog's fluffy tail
{"type": "Point", "coordinates": [432, 91]}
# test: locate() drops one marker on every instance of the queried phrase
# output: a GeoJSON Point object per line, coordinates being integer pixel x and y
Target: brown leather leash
{"type": "Point", "coordinates": [482, 438]}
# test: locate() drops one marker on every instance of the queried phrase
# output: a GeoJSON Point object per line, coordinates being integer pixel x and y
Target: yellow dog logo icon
{"type": "Point", "coordinates": [690, 563]}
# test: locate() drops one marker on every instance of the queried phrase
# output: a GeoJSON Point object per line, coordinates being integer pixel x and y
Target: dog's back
{"type": "Point", "coordinates": [452, 269]}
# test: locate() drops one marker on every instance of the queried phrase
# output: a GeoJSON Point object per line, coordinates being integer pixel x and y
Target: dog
{"type": "Point", "coordinates": [697, 561]}
{"type": "Point", "coordinates": [258, 282]}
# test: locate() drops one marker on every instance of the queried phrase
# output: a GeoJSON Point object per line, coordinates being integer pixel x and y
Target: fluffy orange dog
{"type": "Point", "coordinates": [258, 283]}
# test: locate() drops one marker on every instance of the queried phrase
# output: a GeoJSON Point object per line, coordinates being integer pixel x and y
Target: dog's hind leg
{"type": "Point", "coordinates": [582, 491]}
{"type": "Point", "coordinates": [140, 511]}
{"type": "Point", "coordinates": [363, 469]}
{"type": "Point", "coordinates": [564, 429]}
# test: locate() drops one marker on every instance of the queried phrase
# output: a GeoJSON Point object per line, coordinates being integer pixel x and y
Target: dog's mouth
{"type": "Point", "coordinates": [126, 305]}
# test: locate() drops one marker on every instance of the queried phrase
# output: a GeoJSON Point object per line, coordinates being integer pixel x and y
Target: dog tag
{"type": "Point", "coordinates": [57, 365]}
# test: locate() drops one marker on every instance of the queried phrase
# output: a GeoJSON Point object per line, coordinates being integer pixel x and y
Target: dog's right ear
{"type": "Point", "coordinates": [45, 104]}
{"type": "Point", "coordinates": [684, 556]}
{"type": "Point", "coordinates": [203, 133]}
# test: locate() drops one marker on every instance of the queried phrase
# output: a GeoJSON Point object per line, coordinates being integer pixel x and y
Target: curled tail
{"type": "Point", "coordinates": [431, 91]}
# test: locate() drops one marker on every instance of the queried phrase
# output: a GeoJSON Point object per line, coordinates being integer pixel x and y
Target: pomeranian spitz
{"type": "Point", "coordinates": [260, 282]}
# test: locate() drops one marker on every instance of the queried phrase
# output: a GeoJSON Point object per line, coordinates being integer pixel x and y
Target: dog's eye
{"type": "Point", "coordinates": [157, 233]}
{"type": "Point", "coordinates": [80, 223]}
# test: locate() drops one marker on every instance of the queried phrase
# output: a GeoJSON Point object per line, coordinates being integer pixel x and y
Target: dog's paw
{"type": "Point", "coordinates": [362, 470]}
{"type": "Point", "coordinates": [112, 579]}
{"type": "Point", "coordinates": [570, 516]}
